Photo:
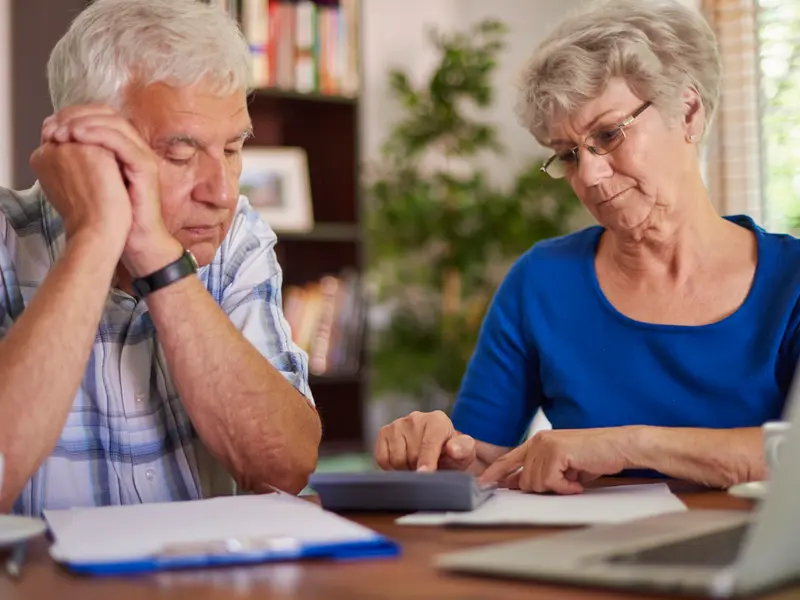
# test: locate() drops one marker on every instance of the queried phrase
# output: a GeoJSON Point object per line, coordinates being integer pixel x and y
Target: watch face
{"type": "Point", "coordinates": [192, 259]}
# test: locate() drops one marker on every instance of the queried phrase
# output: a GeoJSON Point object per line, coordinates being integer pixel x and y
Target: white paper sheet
{"type": "Point", "coordinates": [121, 533]}
{"type": "Point", "coordinates": [602, 505]}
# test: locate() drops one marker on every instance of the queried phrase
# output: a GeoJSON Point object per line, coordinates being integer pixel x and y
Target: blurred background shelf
{"type": "Point", "coordinates": [281, 94]}
{"type": "Point", "coordinates": [326, 232]}
{"type": "Point", "coordinates": [333, 379]}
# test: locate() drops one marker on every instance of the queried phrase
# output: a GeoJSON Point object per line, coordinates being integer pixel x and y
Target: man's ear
{"type": "Point", "coordinates": [692, 114]}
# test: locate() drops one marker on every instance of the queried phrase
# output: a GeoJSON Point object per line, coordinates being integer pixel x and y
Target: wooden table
{"type": "Point", "coordinates": [409, 576]}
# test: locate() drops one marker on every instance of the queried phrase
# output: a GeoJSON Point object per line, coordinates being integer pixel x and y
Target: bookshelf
{"type": "Point", "coordinates": [311, 101]}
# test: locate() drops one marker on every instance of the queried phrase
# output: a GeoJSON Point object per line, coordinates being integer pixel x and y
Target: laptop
{"type": "Point", "coordinates": [702, 553]}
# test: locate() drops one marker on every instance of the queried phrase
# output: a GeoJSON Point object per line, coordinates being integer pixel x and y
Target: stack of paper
{"type": "Point", "coordinates": [602, 505]}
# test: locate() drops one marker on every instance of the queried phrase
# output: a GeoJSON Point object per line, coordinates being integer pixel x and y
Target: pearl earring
{"type": "Point", "coordinates": [692, 138]}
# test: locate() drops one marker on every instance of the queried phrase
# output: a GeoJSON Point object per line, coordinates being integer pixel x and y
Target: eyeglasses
{"type": "Point", "coordinates": [598, 143]}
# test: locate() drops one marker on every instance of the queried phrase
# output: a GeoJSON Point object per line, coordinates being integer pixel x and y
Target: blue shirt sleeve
{"type": "Point", "coordinates": [501, 389]}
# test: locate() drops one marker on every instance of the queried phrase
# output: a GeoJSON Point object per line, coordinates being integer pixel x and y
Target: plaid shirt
{"type": "Point", "coordinates": [128, 438]}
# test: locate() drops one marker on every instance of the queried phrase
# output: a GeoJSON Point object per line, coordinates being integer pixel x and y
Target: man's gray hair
{"type": "Point", "coordinates": [115, 42]}
{"type": "Point", "coordinates": [660, 47]}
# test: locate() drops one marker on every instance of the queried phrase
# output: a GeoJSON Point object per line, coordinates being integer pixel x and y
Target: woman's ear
{"type": "Point", "coordinates": [693, 115]}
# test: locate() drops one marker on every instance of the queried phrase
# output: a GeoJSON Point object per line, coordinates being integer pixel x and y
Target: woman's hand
{"type": "Point", "coordinates": [562, 461]}
{"type": "Point", "coordinates": [425, 442]}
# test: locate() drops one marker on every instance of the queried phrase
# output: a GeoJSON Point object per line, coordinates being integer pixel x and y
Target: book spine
{"type": "Point", "coordinates": [302, 46]}
{"type": "Point", "coordinates": [326, 319]}
{"type": "Point", "coordinates": [305, 63]}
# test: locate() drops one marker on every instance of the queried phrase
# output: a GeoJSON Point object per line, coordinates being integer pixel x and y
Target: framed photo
{"type": "Point", "coordinates": [275, 180]}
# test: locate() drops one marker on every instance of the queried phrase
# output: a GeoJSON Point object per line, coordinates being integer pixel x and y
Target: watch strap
{"type": "Point", "coordinates": [174, 271]}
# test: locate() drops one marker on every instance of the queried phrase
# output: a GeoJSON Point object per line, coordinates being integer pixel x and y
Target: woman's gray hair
{"type": "Point", "coordinates": [114, 42]}
{"type": "Point", "coordinates": [660, 47]}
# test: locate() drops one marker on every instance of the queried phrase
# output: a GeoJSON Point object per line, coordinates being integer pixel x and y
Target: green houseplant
{"type": "Point", "coordinates": [440, 235]}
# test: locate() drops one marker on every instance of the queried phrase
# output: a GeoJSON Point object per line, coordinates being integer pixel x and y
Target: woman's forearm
{"type": "Point", "coordinates": [712, 457]}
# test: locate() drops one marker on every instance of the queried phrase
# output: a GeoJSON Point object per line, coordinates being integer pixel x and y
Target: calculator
{"type": "Point", "coordinates": [400, 491]}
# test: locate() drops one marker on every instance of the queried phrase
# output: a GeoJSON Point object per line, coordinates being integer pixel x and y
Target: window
{"type": "Point", "coordinates": [733, 156]}
{"type": "Point", "coordinates": [779, 54]}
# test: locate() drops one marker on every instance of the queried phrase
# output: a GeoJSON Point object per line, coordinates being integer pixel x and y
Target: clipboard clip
{"type": "Point", "coordinates": [232, 546]}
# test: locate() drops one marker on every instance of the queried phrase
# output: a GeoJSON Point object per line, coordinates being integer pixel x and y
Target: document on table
{"type": "Point", "coordinates": [602, 505]}
{"type": "Point", "coordinates": [228, 530]}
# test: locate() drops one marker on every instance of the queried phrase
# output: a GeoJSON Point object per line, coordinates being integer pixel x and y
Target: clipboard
{"type": "Point", "coordinates": [238, 530]}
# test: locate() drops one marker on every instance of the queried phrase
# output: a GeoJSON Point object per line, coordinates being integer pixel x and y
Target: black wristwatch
{"type": "Point", "coordinates": [174, 271]}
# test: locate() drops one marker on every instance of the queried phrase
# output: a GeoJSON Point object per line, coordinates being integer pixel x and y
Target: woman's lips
{"type": "Point", "coordinates": [614, 197]}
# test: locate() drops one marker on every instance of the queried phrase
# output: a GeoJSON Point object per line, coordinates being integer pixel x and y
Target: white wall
{"type": "Point", "coordinates": [529, 21]}
{"type": "Point", "coordinates": [393, 35]}
{"type": "Point", "coordinates": [5, 93]}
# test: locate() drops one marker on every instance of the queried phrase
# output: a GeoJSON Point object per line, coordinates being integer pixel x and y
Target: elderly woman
{"type": "Point", "coordinates": [660, 339]}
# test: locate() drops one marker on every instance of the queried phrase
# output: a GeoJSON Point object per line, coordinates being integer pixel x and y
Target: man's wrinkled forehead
{"type": "Point", "coordinates": [190, 112]}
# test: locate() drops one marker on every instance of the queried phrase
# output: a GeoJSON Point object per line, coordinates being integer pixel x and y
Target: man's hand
{"type": "Point", "coordinates": [85, 186]}
{"type": "Point", "coordinates": [425, 442]}
{"type": "Point", "coordinates": [562, 461]}
{"type": "Point", "coordinates": [149, 246]}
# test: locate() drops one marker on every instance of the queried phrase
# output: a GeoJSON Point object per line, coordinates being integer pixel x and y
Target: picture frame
{"type": "Point", "coordinates": [275, 180]}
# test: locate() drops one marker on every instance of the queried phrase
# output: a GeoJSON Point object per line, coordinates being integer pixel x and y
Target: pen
{"type": "Point", "coordinates": [14, 562]}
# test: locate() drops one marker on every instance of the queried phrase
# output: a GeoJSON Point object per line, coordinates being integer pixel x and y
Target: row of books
{"type": "Point", "coordinates": [301, 45]}
{"type": "Point", "coordinates": [326, 318]}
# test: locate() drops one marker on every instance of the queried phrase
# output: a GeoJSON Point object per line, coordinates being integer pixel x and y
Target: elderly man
{"type": "Point", "coordinates": [142, 340]}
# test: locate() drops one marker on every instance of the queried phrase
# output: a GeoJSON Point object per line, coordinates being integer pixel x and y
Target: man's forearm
{"type": "Point", "coordinates": [244, 410]}
{"type": "Point", "coordinates": [43, 359]}
{"type": "Point", "coordinates": [712, 457]}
